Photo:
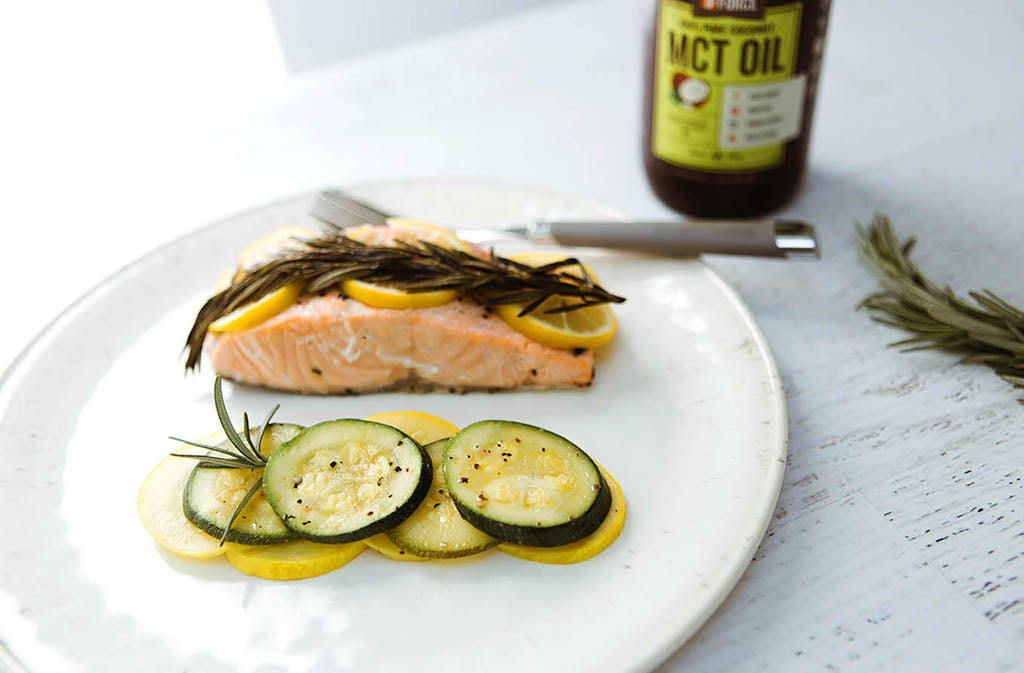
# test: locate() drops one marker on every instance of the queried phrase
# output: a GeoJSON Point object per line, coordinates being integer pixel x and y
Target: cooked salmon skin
{"type": "Point", "coordinates": [333, 344]}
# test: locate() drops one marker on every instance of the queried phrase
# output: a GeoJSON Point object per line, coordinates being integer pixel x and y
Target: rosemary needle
{"type": "Point", "coordinates": [323, 262]}
{"type": "Point", "coordinates": [985, 330]}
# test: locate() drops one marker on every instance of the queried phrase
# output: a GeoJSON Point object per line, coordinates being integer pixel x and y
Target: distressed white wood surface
{"type": "Point", "coordinates": [897, 543]}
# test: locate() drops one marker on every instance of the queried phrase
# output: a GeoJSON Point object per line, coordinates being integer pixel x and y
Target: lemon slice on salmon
{"type": "Point", "coordinates": [588, 547]}
{"type": "Point", "coordinates": [426, 231]}
{"type": "Point", "coordinates": [265, 248]}
{"type": "Point", "coordinates": [401, 229]}
{"type": "Point", "coordinates": [160, 509]}
{"type": "Point", "coordinates": [259, 311]}
{"type": "Point", "coordinates": [257, 252]}
{"type": "Point", "coordinates": [404, 229]}
{"type": "Point", "coordinates": [292, 560]}
{"type": "Point", "coordinates": [382, 296]}
{"type": "Point", "coordinates": [587, 327]}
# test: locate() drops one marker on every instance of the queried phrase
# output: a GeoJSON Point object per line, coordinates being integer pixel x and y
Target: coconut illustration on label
{"type": "Point", "coordinates": [690, 91]}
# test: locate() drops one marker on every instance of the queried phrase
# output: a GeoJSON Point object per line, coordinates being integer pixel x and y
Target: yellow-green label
{"type": "Point", "coordinates": [725, 95]}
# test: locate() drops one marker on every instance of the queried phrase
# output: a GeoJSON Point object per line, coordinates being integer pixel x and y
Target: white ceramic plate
{"type": "Point", "coordinates": [687, 412]}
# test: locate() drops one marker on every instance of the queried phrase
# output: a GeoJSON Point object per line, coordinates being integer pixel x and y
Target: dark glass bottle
{"type": "Point", "coordinates": [729, 97]}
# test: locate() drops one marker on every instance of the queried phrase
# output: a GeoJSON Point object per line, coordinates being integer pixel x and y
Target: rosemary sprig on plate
{"type": "Point", "coordinates": [246, 455]}
{"type": "Point", "coordinates": [989, 331]}
{"type": "Point", "coordinates": [322, 263]}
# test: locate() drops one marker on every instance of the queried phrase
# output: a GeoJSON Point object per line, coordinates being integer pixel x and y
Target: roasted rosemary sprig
{"type": "Point", "coordinates": [245, 456]}
{"type": "Point", "coordinates": [322, 263]}
{"type": "Point", "coordinates": [989, 331]}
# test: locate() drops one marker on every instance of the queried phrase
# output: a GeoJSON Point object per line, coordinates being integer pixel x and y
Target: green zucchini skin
{"type": "Point", "coordinates": [197, 519]}
{"type": "Point", "coordinates": [198, 512]}
{"type": "Point", "coordinates": [456, 539]}
{"type": "Point", "coordinates": [575, 528]}
{"type": "Point", "coordinates": [279, 471]}
{"type": "Point", "coordinates": [550, 536]}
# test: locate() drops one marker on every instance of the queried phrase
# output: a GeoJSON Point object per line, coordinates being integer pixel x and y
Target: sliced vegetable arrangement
{"type": "Point", "coordinates": [285, 502]}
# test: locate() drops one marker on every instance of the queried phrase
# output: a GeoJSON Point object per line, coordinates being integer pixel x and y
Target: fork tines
{"type": "Point", "coordinates": [341, 210]}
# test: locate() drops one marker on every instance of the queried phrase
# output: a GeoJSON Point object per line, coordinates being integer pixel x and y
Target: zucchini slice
{"type": "Point", "coordinates": [385, 547]}
{"type": "Point", "coordinates": [345, 480]}
{"type": "Point", "coordinates": [212, 493]}
{"type": "Point", "coordinates": [436, 529]}
{"type": "Point", "coordinates": [584, 549]}
{"type": "Point", "coordinates": [523, 484]}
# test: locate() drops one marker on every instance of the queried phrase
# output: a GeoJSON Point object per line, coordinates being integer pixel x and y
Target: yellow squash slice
{"type": "Point", "coordinates": [424, 428]}
{"type": "Point", "coordinates": [292, 560]}
{"type": "Point", "coordinates": [159, 506]}
{"type": "Point", "coordinates": [588, 547]}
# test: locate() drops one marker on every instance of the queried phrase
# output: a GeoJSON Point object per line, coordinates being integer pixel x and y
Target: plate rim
{"type": "Point", "coordinates": [689, 627]}
{"type": "Point", "coordinates": [680, 631]}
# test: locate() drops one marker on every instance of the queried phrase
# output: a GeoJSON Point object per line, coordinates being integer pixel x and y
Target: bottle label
{"type": "Point", "coordinates": [726, 97]}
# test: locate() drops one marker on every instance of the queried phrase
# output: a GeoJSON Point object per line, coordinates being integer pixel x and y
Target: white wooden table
{"type": "Point", "coordinates": [898, 541]}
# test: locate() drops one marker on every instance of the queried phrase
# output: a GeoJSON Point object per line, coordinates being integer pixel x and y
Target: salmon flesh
{"type": "Point", "coordinates": [333, 344]}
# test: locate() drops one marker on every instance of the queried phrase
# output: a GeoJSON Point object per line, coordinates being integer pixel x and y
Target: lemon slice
{"type": "Point", "coordinates": [255, 253]}
{"type": "Point", "coordinates": [292, 560]}
{"type": "Point", "coordinates": [588, 327]}
{"type": "Point", "coordinates": [401, 229]}
{"type": "Point", "coordinates": [265, 248]}
{"type": "Point", "coordinates": [259, 311]}
{"type": "Point", "coordinates": [224, 280]}
{"type": "Point", "coordinates": [382, 296]}
{"type": "Point", "coordinates": [404, 229]}
{"type": "Point", "coordinates": [407, 229]}
{"type": "Point", "coordinates": [588, 547]}
{"type": "Point", "coordinates": [159, 505]}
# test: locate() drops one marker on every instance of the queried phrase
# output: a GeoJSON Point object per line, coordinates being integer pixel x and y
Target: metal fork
{"type": "Point", "coordinates": [342, 210]}
{"type": "Point", "coordinates": [761, 238]}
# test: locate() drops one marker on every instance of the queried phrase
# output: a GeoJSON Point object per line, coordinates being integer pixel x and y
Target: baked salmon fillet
{"type": "Point", "coordinates": [332, 344]}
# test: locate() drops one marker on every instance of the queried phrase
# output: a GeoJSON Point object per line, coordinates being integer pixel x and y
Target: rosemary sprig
{"type": "Point", "coordinates": [246, 455]}
{"type": "Point", "coordinates": [989, 331]}
{"type": "Point", "coordinates": [323, 262]}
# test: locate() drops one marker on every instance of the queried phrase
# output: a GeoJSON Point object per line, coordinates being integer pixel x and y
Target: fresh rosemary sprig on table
{"type": "Point", "coordinates": [245, 456]}
{"type": "Point", "coordinates": [322, 263]}
{"type": "Point", "coordinates": [989, 331]}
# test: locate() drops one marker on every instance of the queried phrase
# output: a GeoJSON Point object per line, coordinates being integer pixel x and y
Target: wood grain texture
{"type": "Point", "coordinates": [897, 543]}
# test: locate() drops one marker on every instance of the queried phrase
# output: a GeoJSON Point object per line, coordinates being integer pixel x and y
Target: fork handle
{"type": "Point", "coordinates": [762, 238]}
